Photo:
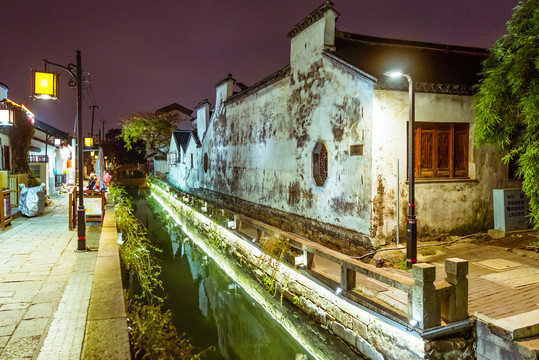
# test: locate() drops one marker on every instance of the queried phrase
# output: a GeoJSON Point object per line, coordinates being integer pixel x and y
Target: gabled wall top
{"type": "Point", "coordinates": [313, 17]}
{"type": "Point", "coordinates": [312, 36]}
{"type": "Point", "coordinates": [203, 117]}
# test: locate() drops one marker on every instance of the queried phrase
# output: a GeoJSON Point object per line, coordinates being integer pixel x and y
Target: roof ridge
{"type": "Point", "coordinates": [410, 43]}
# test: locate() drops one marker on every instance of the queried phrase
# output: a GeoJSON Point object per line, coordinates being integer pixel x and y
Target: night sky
{"type": "Point", "coordinates": [144, 55]}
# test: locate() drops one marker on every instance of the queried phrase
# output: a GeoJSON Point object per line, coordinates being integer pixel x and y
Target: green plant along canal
{"type": "Point", "coordinates": [207, 305]}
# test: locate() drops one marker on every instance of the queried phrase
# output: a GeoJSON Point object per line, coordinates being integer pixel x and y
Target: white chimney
{"type": "Point", "coordinates": [223, 90]}
{"type": "Point", "coordinates": [203, 118]}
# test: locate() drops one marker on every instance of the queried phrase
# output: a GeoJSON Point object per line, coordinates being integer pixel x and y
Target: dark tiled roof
{"type": "Point", "coordinates": [276, 76]}
{"type": "Point", "coordinates": [51, 130]}
{"type": "Point", "coordinates": [433, 67]}
{"type": "Point", "coordinates": [175, 106]}
{"type": "Point", "coordinates": [182, 138]}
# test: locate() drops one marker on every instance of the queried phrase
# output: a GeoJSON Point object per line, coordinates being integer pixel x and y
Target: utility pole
{"type": "Point", "coordinates": [93, 112]}
{"type": "Point", "coordinates": [103, 132]}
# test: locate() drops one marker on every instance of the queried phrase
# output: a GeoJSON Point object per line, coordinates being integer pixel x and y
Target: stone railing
{"type": "Point", "coordinates": [429, 301]}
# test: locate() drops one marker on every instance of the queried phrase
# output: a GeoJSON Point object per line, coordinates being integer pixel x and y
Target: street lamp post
{"type": "Point", "coordinates": [411, 221]}
{"type": "Point", "coordinates": [77, 76]}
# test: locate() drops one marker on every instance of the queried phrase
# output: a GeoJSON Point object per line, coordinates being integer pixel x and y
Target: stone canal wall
{"type": "Point", "coordinates": [332, 236]}
{"type": "Point", "coordinates": [365, 331]}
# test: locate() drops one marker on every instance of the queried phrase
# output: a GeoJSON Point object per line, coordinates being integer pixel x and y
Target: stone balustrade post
{"type": "Point", "coordinates": [455, 306]}
{"type": "Point", "coordinates": [237, 221]}
{"type": "Point", "coordinates": [424, 303]}
{"type": "Point", "coordinates": [348, 278]}
{"type": "Point", "coordinates": [308, 258]}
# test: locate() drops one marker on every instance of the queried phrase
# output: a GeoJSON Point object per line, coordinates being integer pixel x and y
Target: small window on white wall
{"type": "Point", "coordinates": [320, 163]}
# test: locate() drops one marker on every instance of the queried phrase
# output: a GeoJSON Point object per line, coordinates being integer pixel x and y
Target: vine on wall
{"type": "Point", "coordinates": [20, 137]}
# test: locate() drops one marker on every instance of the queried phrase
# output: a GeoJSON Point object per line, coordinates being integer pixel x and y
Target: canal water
{"type": "Point", "coordinates": [207, 304]}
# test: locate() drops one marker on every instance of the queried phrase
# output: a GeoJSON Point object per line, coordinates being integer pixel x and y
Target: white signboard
{"type": "Point", "coordinates": [92, 206]}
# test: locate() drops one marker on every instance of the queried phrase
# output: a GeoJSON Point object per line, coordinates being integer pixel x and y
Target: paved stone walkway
{"type": "Point", "coordinates": [492, 291]}
{"type": "Point", "coordinates": [493, 294]}
{"type": "Point", "coordinates": [44, 285]}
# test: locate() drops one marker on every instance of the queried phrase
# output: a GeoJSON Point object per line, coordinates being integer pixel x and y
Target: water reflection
{"type": "Point", "coordinates": [208, 305]}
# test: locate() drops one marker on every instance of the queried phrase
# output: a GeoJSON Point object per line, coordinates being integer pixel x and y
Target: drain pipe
{"type": "Point", "coordinates": [398, 192]}
{"type": "Point", "coordinates": [447, 329]}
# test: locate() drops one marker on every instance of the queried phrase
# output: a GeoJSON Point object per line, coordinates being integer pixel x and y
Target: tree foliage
{"type": "Point", "coordinates": [114, 146]}
{"type": "Point", "coordinates": [507, 103]}
{"type": "Point", "coordinates": [20, 138]}
{"type": "Point", "coordinates": [155, 129]}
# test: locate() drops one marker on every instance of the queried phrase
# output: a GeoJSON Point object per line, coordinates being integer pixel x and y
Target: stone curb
{"type": "Point", "coordinates": [106, 328]}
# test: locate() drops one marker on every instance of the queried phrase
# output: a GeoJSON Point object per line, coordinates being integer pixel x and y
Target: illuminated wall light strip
{"type": "Point", "coordinates": [28, 112]}
{"type": "Point", "coordinates": [228, 270]}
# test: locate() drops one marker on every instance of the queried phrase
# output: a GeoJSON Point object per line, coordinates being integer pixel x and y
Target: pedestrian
{"type": "Point", "coordinates": [91, 182]}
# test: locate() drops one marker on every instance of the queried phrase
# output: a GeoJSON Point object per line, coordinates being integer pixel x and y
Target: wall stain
{"type": "Point", "coordinates": [303, 100]}
{"type": "Point", "coordinates": [294, 193]}
{"type": "Point", "coordinates": [378, 207]}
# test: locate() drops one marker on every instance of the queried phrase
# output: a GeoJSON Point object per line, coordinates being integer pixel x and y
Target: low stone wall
{"type": "Point", "coordinates": [336, 238]}
{"type": "Point", "coordinates": [106, 330]}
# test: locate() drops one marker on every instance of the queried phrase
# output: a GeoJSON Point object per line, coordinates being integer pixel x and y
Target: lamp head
{"type": "Point", "coordinates": [393, 74]}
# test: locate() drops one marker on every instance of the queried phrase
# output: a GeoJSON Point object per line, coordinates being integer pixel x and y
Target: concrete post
{"type": "Point", "coordinates": [455, 306]}
{"type": "Point", "coordinates": [348, 278]}
{"type": "Point", "coordinates": [425, 307]}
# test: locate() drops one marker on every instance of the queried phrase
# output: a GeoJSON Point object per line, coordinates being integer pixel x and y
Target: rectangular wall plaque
{"type": "Point", "coordinates": [356, 150]}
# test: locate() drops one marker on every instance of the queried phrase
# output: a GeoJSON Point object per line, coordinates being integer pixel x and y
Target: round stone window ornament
{"type": "Point", "coordinates": [320, 163]}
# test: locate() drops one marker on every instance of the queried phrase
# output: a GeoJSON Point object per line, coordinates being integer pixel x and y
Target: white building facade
{"type": "Point", "coordinates": [313, 148]}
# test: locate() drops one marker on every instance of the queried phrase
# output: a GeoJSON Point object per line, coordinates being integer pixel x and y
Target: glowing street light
{"type": "Point", "coordinates": [45, 88]}
{"type": "Point", "coordinates": [45, 85]}
{"type": "Point", "coordinates": [411, 222]}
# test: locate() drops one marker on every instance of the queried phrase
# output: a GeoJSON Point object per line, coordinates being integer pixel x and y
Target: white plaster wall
{"type": "Point", "coordinates": [260, 147]}
{"type": "Point", "coordinates": [454, 205]}
{"type": "Point", "coordinates": [307, 43]}
{"type": "Point", "coordinates": [185, 176]}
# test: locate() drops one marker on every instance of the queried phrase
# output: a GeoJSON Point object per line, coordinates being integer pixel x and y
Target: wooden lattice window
{"type": "Point", "coordinates": [441, 150]}
{"type": "Point", "coordinates": [320, 163]}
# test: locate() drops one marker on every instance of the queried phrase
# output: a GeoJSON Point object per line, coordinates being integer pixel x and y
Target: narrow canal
{"type": "Point", "coordinates": [207, 304]}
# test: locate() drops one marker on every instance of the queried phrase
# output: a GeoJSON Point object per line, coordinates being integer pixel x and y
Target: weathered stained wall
{"type": "Point", "coordinates": [442, 205]}
{"type": "Point", "coordinates": [260, 146]}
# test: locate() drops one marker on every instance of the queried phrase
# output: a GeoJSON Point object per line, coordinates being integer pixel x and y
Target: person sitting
{"type": "Point", "coordinates": [91, 182]}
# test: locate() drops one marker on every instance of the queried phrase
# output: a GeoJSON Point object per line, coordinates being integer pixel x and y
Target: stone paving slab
{"type": "Point", "coordinates": [44, 284]}
{"type": "Point", "coordinates": [517, 278]}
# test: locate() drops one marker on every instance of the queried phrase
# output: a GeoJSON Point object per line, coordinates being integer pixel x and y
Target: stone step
{"type": "Point", "coordinates": [516, 327]}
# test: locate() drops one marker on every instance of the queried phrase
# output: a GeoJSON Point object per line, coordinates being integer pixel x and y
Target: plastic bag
{"type": "Point", "coordinates": [32, 200]}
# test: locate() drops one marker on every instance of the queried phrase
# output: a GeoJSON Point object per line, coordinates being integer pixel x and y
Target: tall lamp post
{"type": "Point", "coordinates": [44, 90]}
{"type": "Point", "coordinates": [411, 222]}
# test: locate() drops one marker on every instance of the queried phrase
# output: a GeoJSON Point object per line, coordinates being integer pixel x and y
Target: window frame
{"type": "Point", "coordinates": [441, 150]}
{"type": "Point", "coordinates": [320, 163]}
